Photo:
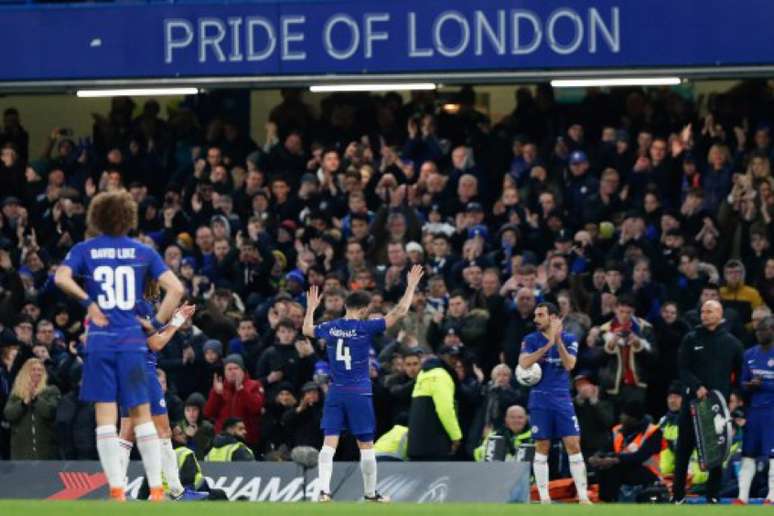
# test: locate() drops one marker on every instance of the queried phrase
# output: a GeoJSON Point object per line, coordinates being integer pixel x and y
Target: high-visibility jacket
{"type": "Point", "coordinates": [516, 441]}
{"type": "Point", "coordinates": [185, 456]}
{"type": "Point", "coordinates": [394, 442]}
{"type": "Point", "coordinates": [669, 431]}
{"type": "Point", "coordinates": [433, 423]}
{"type": "Point", "coordinates": [225, 453]}
{"type": "Point", "coordinates": [652, 463]}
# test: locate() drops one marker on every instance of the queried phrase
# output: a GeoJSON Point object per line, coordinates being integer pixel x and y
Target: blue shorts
{"type": "Point", "coordinates": [110, 377]}
{"type": "Point", "coordinates": [552, 419]}
{"type": "Point", "coordinates": [158, 406]}
{"type": "Point", "coordinates": [758, 436]}
{"type": "Point", "coordinates": [349, 411]}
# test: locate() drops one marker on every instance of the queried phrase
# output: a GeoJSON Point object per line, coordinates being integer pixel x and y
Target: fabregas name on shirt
{"type": "Point", "coordinates": [124, 253]}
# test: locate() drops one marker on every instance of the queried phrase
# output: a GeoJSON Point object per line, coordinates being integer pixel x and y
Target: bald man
{"type": "Point", "coordinates": [710, 359]}
{"type": "Point", "coordinates": [515, 431]}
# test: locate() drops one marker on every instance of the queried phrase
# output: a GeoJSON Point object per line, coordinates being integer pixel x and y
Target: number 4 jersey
{"type": "Point", "coordinates": [348, 342]}
{"type": "Point", "coordinates": [114, 271]}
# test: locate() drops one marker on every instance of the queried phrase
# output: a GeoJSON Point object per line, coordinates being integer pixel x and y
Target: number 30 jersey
{"type": "Point", "coordinates": [114, 271]}
{"type": "Point", "coordinates": [348, 343]}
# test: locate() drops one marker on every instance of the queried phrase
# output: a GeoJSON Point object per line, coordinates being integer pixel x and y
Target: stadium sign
{"type": "Point", "coordinates": [280, 41]}
{"type": "Point", "coordinates": [284, 482]}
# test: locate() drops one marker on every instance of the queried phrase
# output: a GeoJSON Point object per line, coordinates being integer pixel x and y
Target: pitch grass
{"type": "Point", "coordinates": [95, 508]}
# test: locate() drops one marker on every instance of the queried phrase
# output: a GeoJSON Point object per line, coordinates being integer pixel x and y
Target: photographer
{"type": "Point", "coordinates": [709, 358]}
{"type": "Point", "coordinates": [628, 342]}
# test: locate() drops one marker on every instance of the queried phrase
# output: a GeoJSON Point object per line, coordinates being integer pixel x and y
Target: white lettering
{"type": "Point", "coordinates": [343, 334]}
{"type": "Point", "coordinates": [271, 43]}
{"type": "Point", "coordinates": [229, 489]}
{"type": "Point", "coordinates": [249, 490]}
{"type": "Point", "coordinates": [126, 253]}
{"type": "Point", "coordinates": [273, 493]}
{"type": "Point", "coordinates": [484, 28]}
{"type": "Point", "coordinates": [170, 43]}
{"type": "Point", "coordinates": [211, 41]}
{"type": "Point", "coordinates": [464, 37]}
{"type": "Point", "coordinates": [370, 35]}
{"type": "Point", "coordinates": [516, 46]}
{"type": "Point", "coordinates": [133, 488]}
{"type": "Point", "coordinates": [551, 26]}
{"type": "Point", "coordinates": [236, 54]}
{"type": "Point", "coordinates": [311, 491]}
{"type": "Point", "coordinates": [413, 50]}
{"type": "Point", "coordinates": [611, 35]}
{"type": "Point", "coordinates": [354, 39]}
{"type": "Point", "coordinates": [291, 37]}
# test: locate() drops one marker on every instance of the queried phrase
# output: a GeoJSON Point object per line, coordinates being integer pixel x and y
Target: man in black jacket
{"type": "Point", "coordinates": [709, 356]}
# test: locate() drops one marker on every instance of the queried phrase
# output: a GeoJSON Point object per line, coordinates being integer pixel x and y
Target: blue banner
{"type": "Point", "coordinates": [378, 36]}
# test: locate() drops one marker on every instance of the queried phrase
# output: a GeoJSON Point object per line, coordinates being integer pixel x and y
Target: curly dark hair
{"type": "Point", "coordinates": [112, 213]}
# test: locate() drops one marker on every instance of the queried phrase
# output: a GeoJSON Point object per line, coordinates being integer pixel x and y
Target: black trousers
{"type": "Point", "coordinates": [686, 443]}
{"type": "Point", "coordinates": [611, 479]}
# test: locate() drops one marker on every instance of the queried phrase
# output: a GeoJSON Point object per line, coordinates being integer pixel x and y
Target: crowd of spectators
{"type": "Point", "coordinates": [627, 210]}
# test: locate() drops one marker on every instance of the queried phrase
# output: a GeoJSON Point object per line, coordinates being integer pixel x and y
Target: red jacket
{"type": "Point", "coordinates": [246, 404]}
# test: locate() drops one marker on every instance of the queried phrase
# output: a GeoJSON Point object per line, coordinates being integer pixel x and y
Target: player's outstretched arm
{"type": "Point", "coordinates": [158, 340]}
{"type": "Point", "coordinates": [173, 294]}
{"type": "Point", "coordinates": [404, 305]}
{"type": "Point", "coordinates": [313, 299]}
{"type": "Point", "coordinates": [63, 278]}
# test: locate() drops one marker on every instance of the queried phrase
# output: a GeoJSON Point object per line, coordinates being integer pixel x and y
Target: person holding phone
{"type": "Point", "coordinates": [628, 344]}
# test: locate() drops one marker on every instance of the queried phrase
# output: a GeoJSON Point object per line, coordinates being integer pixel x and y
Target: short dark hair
{"type": "Point", "coordinates": [339, 292]}
{"type": "Point", "coordinates": [627, 300]}
{"type": "Point", "coordinates": [248, 319]}
{"type": "Point", "coordinates": [357, 300]}
{"type": "Point", "coordinates": [710, 285]}
{"type": "Point", "coordinates": [689, 252]}
{"type": "Point", "coordinates": [458, 293]}
{"type": "Point", "coordinates": [334, 276]}
{"type": "Point", "coordinates": [231, 422]}
{"type": "Point", "coordinates": [413, 352]}
{"type": "Point", "coordinates": [672, 303]}
{"type": "Point", "coordinates": [286, 323]}
{"type": "Point", "coordinates": [552, 308]}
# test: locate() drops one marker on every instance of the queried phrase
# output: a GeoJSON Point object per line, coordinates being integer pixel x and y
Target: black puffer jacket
{"type": "Point", "coordinates": [710, 359]}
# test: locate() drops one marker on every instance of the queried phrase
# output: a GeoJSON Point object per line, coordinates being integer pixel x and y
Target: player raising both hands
{"type": "Point", "coordinates": [349, 403]}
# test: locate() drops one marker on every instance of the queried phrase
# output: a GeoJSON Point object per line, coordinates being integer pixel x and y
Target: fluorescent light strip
{"type": "Point", "coordinates": [622, 81]}
{"type": "Point", "coordinates": [136, 92]}
{"type": "Point", "coordinates": [329, 88]}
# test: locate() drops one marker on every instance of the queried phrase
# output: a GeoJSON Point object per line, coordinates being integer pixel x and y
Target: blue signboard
{"type": "Point", "coordinates": [378, 36]}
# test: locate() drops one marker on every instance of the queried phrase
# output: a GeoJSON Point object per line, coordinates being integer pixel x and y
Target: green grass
{"type": "Point", "coordinates": [87, 508]}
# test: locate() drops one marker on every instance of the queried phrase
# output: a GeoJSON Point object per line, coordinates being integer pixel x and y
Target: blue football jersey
{"type": "Point", "coordinates": [555, 380]}
{"type": "Point", "coordinates": [758, 362]}
{"type": "Point", "coordinates": [114, 271]}
{"type": "Point", "coordinates": [348, 343]}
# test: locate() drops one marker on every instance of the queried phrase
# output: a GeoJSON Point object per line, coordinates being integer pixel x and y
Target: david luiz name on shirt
{"type": "Point", "coordinates": [124, 253]}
